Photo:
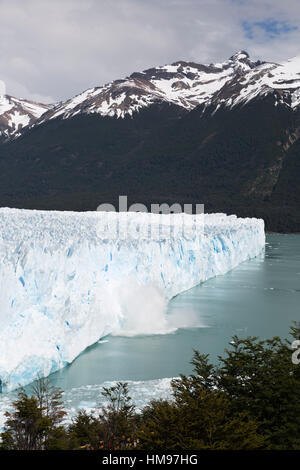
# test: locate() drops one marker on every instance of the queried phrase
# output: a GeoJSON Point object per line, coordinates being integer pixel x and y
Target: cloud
{"type": "Point", "coordinates": [53, 49]}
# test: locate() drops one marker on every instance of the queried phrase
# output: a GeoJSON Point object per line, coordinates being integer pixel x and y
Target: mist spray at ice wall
{"type": "Point", "coordinates": [68, 279]}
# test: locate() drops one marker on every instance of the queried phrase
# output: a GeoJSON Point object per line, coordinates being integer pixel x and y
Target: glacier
{"type": "Point", "coordinates": [68, 278]}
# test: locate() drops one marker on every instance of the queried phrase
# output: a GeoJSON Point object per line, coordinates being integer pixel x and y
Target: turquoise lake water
{"type": "Point", "coordinates": [261, 297]}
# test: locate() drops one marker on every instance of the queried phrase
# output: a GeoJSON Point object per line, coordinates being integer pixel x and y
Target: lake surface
{"type": "Point", "coordinates": [261, 297]}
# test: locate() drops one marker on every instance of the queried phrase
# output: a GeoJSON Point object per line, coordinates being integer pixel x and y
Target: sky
{"type": "Point", "coordinates": [51, 50]}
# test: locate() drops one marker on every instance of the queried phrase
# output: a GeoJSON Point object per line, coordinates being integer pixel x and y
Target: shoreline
{"type": "Point", "coordinates": [268, 232]}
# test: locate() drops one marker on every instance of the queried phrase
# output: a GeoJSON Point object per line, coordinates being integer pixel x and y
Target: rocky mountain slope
{"type": "Point", "coordinates": [185, 84]}
{"type": "Point", "coordinates": [235, 81]}
{"type": "Point", "coordinates": [16, 114]}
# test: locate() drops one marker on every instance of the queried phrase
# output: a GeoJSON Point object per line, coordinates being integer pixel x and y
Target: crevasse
{"type": "Point", "coordinates": [67, 279]}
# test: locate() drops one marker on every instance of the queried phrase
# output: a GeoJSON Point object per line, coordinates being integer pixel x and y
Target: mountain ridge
{"type": "Point", "coordinates": [236, 151]}
{"type": "Point", "coordinates": [182, 83]}
{"type": "Point", "coordinates": [186, 84]}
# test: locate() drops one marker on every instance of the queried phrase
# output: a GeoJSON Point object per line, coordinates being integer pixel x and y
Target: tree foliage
{"type": "Point", "coordinates": [250, 400]}
{"type": "Point", "coordinates": [34, 422]}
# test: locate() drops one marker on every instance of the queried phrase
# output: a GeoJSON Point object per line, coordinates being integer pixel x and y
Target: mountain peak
{"type": "Point", "coordinates": [241, 62]}
{"type": "Point", "coordinates": [240, 56]}
{"type": "Point", "coordinates": [16, 114]}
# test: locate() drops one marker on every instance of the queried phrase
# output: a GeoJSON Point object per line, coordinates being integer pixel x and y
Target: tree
{"type": "Point", "coordinates": [260, 378]}
{"type": "Point", "coordinates": [85, 430]}
{"type": "Point", "coordinates": [160, 427]}
{"type": "Point", "coordinates": [34, 422]}
{"type": "Point", "coordinates": [26, 428]}
{"type": "Point", "coordinates": [197, 419]}
{"type": "Point", "coordinates": [49, 399]}
{"type": "Point", "coordinates": [118, 416]}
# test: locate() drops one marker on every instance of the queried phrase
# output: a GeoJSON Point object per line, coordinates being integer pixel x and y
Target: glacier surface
{"type": "Point", "coordinates": [68, 279]}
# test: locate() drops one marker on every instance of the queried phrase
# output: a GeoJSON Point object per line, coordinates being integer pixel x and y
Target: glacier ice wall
{"type": "Point", "coordinates": [68, 279]}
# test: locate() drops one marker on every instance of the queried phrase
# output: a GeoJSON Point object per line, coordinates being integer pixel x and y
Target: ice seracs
{"type": "Point", "coordinates": [68, 279]}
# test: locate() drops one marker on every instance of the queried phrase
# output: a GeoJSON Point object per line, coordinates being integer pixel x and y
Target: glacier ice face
{"type": "Point", "coordinates": [68, 279]}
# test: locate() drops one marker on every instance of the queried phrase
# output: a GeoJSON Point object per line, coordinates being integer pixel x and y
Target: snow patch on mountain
{"type": "Point", "coordinates": [15, 114]}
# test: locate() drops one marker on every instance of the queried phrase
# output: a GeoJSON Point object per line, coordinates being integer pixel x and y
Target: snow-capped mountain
{"type": "Point", "coordinates": [187, 84]}
{"type": "Point", "coordinates": [281, 80]}
{"type": "Point", "coordinates": [225, 134]}
{"type": "Point", "coordinates": [15, 114]}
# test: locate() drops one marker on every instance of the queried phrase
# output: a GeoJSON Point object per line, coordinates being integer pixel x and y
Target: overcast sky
{"type": "Point", "coordinates": [51, 50]}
